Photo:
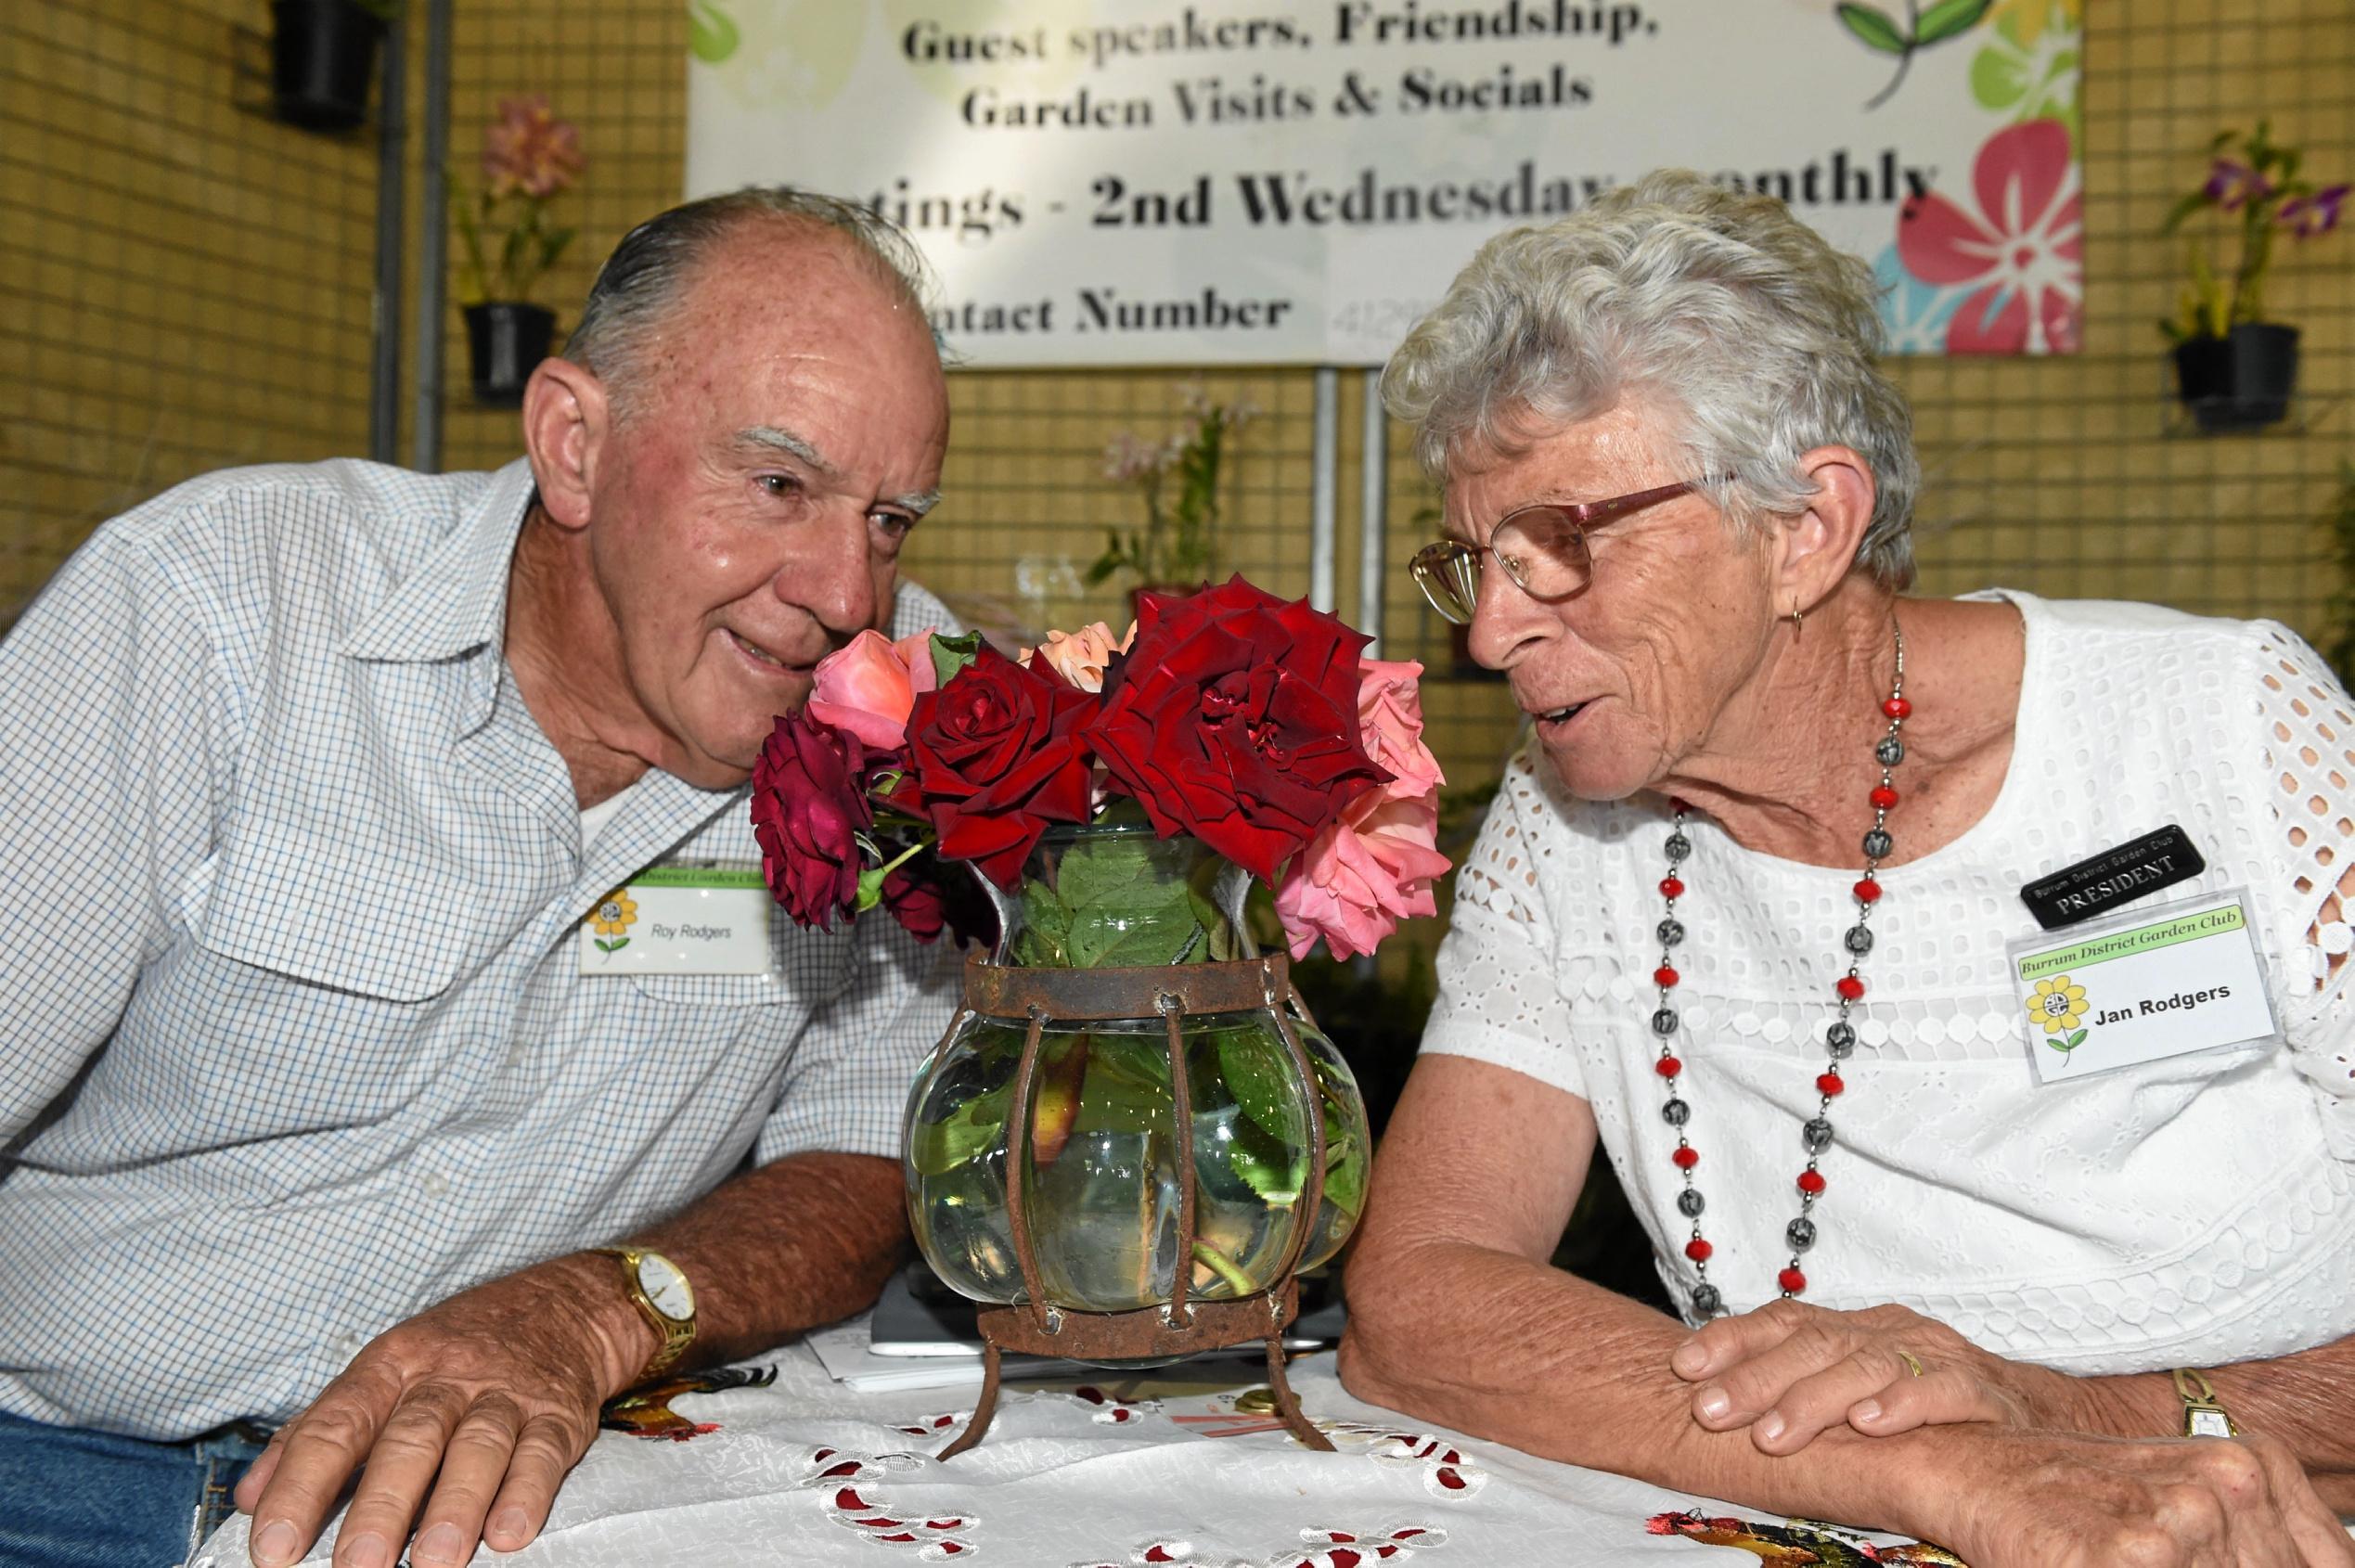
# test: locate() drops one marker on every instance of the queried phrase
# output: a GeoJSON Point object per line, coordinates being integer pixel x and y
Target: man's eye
{"type": "Point", "coordinates": [895, 526]}
{"type": "Point", "coordinates": [781, 484]}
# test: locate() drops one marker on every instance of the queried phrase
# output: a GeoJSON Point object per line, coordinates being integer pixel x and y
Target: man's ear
{"type": "Point", "coordinates": [566, 420]}
{"type": "Point", "coordinates": [1820, 545]}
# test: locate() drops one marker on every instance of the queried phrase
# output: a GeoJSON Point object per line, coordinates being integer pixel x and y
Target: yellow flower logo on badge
{"type": "Point", "coordinates": [2059, 1004]}
{"type": "Point", "coordinates": [616, 913]}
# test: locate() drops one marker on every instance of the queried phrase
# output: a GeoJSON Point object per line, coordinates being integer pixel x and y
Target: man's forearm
{"type": "Point", "coordinates": [798, 1242]}
{"type": "Point", "coordinates": [1559, 1368]}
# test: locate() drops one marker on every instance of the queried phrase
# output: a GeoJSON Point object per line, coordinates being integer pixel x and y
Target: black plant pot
{"type": "Point", "coordinates": [507, 339]}
{"type": "Point", "coordinates": [2241, 381]}
{"type": "Point", "coordinates": [321, 56]}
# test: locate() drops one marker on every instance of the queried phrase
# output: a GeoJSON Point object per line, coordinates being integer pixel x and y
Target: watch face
{"type": "Point", "coordinates": [665, 1287]}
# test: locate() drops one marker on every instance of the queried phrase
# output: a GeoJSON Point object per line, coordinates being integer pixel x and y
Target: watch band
{"type": "Point", "coordinates": [2203, 1414]}
{"type": "Point", "coordinates": [677, 1333]}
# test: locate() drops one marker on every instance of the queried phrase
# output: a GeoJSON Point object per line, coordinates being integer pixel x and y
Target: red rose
{"type": "Point", "coordinates": [996, 755]}
{"type": "Point", "coordinates": [1234, 717]}
{"type": "Point", "coordinates": [809, 814]}
{"type": "Point", "coordinates": [916, 905]}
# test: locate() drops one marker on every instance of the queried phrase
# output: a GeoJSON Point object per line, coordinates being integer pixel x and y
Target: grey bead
{"type": "Point", "coordinates": [1707, 1302]}
{"type": "Point", "coordinates": [1890, 752]}
{"type": "Point", "coordinates": [1689, 1203]}
{"type": "Point", "coordinates": [1876, 844]}
{"type": "Point", "coordinates": [1678, 846]}
{"type": "Point", "coordinates": [1676, 1113]}
{"type": "Point", "coordinates": [1860, 939]}
{"type": "Point", "coordinates": [1841, 1040]}
{"type": "Point", "coordinates": [1671, 931]}
{"type": "Point", "coordinates": [1800, 1233]}
{"type": "Point", "coordinates": [1664, 1020]}
{"type": "Point", "coordinates": [1817, 1134]}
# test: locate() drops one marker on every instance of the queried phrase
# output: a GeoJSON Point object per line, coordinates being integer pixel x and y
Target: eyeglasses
{"type": "Point", "coordinates": [1542, 549]}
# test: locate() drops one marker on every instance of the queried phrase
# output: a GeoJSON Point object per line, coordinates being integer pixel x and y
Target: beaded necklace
{"type": "Point", "coordinates": [1840, 1041]}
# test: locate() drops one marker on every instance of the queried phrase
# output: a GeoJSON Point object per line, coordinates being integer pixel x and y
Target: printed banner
{"type": "Point", "coordinates": [1120, 182]}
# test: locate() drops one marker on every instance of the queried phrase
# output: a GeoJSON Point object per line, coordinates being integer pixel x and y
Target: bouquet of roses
{"type": "Point", "coordinates": [1253, 724]}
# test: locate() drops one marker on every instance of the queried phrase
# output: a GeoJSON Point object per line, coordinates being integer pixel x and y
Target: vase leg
{"type": "Point", "coordinates": [1287, 1404]}
{"type": "Point", "coordinates": [983, 1408]}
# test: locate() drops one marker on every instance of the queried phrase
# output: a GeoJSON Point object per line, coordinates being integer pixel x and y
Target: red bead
{"type": "Point", "coordinates": [1686, 1157]}
{"type": "Point", "coordinates": [1698, 1250]}
{"type": "Point", "coordinates": [1884, 797]}
{"type": "Point", "coordinates": [1671, 888]}
{"type": "Point", "coordinates": [1664, 975]}
{"type": "Point", "coordinates": [1851, 987]}
{"type": "Point", "coordinates": [1668, 1067]}
{"type": "Point", "coordinates": [1794, 1282]}
{"type": "Point", "coordinates": [1676, 803]}
{"type": "Point", "coordinates": [1868, 892]}
{"type": "Point", "coordinates": [1898, 708]}
{"type": "Point", "coordinates": [1828, 1083]}
{"type": "Point", "coordinates": [1811, 1183]}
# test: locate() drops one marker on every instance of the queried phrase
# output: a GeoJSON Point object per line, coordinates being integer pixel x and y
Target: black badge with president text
{"type": "Point", "coordinates": [2112, 878]}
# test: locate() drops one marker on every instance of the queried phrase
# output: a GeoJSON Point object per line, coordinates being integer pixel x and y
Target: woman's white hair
{"type": "Point", "coordinates": [1749, 334]}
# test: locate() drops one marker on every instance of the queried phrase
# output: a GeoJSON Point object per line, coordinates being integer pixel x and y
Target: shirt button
{"type": "Point", "coordinates": [434, 1183]}
{"type": "Point", "coordinates": [349, 1345]}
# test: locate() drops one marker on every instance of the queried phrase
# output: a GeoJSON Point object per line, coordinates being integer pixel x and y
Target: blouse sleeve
{"type": "Point", "coordinates": [2309, 737]}
{"type": "Point", "coordinates": [1498, 1001]}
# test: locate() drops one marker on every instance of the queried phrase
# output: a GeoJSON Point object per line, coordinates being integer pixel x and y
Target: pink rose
{"type": "Point", "coordinates": [1358, 877]}
{"type": "Point", "coordinates": [869, 688]}
{"type": "Point", "coordinates": [1080, 657]}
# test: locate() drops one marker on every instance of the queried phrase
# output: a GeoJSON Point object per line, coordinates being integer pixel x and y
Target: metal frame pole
{"type": "Point", "coordinates": [1323, 512]}
{"type": "Point", "coordinates": [1373, 513]}
{"type": "Point", "coordinates": [392, 217]}
{"type": "Point", "coordinates": [432, 261]}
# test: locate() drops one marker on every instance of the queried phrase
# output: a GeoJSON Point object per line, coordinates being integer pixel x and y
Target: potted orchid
{"type": "Point", "coordinates": [2234, 370]}
{"type": "Point", "coordinates": [507, 243]}
{"type": "Point", "coordinates": [1113, 799]}
{"type": "Point", "coordinates": [1176, 549]}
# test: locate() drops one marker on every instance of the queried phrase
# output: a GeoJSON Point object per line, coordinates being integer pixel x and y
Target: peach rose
{"type": "Point", "coordinates": [868, 688]}
{"type": "Point", "coordinates": [1080, 657]}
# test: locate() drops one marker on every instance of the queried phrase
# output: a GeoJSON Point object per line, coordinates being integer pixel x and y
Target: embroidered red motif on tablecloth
{"type": "Point", "coordinates": [1447, 1471]}
{"type": "Point", "coordinates": [1327, 1549]}
{"type": "Point", "coordinates": [844, 1480]}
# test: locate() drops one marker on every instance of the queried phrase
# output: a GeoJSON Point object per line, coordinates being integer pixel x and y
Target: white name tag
{"type": "Point", "coordinates": [680, 919]}
{"type": "Point", "coordinates": [2163, 981]}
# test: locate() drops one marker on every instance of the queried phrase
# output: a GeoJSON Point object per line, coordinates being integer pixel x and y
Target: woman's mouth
{"type": "Point", "coordinates": [1557, 716]}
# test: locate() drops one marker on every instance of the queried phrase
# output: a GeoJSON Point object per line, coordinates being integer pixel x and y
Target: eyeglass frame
{"type": "Point", "coordinates": [1584, 516]}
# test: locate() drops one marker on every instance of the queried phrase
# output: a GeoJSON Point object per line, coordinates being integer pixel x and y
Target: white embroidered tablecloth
{"type": "Point", "coordinates": [1126, 1470]}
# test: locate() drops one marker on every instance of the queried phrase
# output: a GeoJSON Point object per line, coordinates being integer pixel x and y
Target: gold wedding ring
{"type": "Point", "coordinates": [1911, 1362]}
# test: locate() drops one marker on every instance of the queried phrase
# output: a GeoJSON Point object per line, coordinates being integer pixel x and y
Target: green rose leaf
{"type": "Point", "coordinates": [1345, 1174]}
{"type": "Point", "coordinates": [952, 654]}
{"type": "Point", "coordinates": [1874, 27]}
{"type": "Point", "coordinates": [973, 1128]}
{"type": "Point", "coordinates": [1257, 1069]}
{"type": "Point", "coordinates": [1949, 16]}
{"type": "Point", "coordinates": [1265, 1165]}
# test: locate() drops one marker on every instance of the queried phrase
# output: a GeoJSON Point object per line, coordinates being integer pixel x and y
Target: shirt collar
{"type": "Point", "coordinates": [455, 601]}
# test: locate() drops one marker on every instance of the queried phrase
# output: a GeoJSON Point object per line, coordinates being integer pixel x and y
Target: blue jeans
{"type": "Point", "coordinates": [70, 1498]}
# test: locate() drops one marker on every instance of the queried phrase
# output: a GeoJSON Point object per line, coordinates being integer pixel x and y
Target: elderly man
{"type": "Point", "coordinates": [327, 1062]}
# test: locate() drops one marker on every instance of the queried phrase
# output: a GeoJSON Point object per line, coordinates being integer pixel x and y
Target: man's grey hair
{"type": "Point", "coordinates": [644, 277]}
{"type": "Point", "coordinates": [1737, 324]}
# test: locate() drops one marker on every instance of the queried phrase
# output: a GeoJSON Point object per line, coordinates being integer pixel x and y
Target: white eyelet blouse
{"type": "Point", "coordinates": [2189, 1212]}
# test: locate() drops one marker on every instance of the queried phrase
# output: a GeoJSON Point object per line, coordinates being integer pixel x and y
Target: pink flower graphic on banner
{"type": "Point", "coordinates": [2022, 248]}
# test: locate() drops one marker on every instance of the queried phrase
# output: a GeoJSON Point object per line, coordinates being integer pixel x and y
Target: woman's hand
{"type": "Point", "coordinates": [1788, 1371]}
{"type": "Point", "coordinates": [2040, 1500]}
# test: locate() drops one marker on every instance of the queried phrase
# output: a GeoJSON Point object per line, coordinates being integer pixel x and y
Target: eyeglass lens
{"type": "Point", "coordinates": [1542, 551]}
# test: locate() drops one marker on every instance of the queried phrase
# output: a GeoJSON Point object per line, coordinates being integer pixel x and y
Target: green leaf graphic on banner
{"type": "Point", "coordinates": [710, 32]}
{"type": "Point", "coordinates": [1949, 16]}
{"type": "Point", "coordinates": [1874, 27]}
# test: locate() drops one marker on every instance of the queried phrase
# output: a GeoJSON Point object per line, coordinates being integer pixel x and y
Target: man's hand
{"type": "Point", "coordinates": [496, 1390]}
{"type": "Point", "coordinates": [1788, 1371]}
{"type": "Point", "coordinates": [2029, 1499]}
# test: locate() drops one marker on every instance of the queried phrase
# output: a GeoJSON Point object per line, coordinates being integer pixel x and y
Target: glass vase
{"type": "Point", "coordinates": [1103, 1192]}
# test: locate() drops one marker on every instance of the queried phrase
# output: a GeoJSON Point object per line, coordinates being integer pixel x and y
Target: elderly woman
{"type": "Point", "coordinates": [1744, 917]}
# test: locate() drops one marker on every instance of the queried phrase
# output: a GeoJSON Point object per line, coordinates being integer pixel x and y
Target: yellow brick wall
{"type": "Point", "coordinates": [184, 285]}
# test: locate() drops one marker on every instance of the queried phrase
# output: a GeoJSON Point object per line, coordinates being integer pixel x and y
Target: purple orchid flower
{"type": "Point", "coordinates": [2306, 216]}
{"type": "Point", "coordinates": [2232, 184]}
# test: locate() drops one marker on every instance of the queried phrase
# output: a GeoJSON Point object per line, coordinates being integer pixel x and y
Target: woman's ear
{"type": "Point", "coordinates": [1820, 545]}
{"type": "Point", "coordinates": [566, 419]}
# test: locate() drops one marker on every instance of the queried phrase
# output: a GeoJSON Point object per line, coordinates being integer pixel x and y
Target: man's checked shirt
{"type": "Point", "coordinates": [294, 1041]}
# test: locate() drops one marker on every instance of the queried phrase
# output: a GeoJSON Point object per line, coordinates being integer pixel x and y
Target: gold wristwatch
{"type": "Point", "coordinates": [2203, 1414]}
{"type": "Point", "coordinates": [658, 1287]}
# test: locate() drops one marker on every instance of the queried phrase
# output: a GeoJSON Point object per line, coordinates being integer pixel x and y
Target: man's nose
{"type": "Point", "coordinates": [836, 580]}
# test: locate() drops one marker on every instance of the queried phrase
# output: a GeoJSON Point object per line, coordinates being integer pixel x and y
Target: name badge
{"type": "Point", "coordinates": [2167, 982]}
{"type": "Point", "coordinates": [2114, 877]}
{"type": "Point", "coordinates": [680, 919]}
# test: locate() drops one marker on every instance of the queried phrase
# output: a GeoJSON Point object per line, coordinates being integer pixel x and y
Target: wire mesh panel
{"type": "Point", "coordinates": [184, 283]}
